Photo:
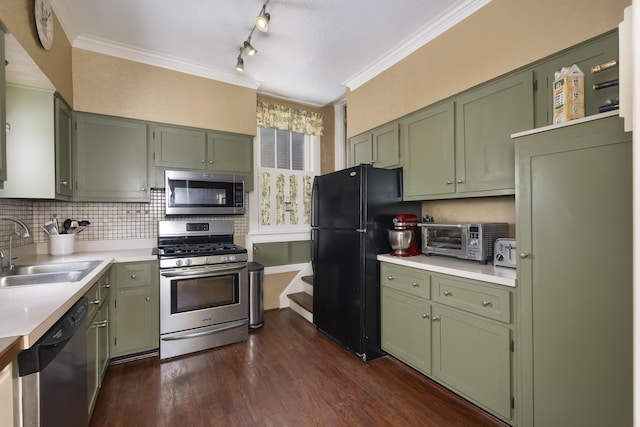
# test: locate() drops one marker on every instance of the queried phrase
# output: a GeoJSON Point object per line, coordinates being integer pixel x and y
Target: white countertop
{"type": "Point", "coordinates": [29, 311]}
{"type": "Point", "coordinates": [457, 267]}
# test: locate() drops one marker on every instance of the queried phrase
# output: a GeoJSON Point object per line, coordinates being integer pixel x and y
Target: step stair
{"type": "Point", "coordinates": [303, 299]}
{"type": "Point", "coordinates": [308, 279]}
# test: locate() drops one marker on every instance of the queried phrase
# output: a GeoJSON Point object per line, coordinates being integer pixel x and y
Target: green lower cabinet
{"type": "Point", "coordinates": [93, 383]}
{"type": "Point", "coordinates": [97, 336]}
{"type": "Point", "coordinates": [473, 356]}
{"type": "Point", "coordinates": [406, 329]}
{"type": "Point", "coordinates": [271, 254]}
{"type": "Point", "coordinates": [135, 309]}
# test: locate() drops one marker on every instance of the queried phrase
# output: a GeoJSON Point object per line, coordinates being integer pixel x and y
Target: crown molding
{"type": "Point", "coordinates": [430, 31]}
{"type": "Point", "coordinates": [148, 57]}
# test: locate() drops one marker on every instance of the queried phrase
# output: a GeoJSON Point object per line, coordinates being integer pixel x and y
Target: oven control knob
{"type": "Point", "coordinates": [224, 258]}
{"type": "Point", "coordinates": [189, 262]}
{"type": "Point", "coordinates": [207, 260]}
{"type": "Point", "coordinates": [179, 263]}
{"type": "Point", "coordinates": [232, 258]}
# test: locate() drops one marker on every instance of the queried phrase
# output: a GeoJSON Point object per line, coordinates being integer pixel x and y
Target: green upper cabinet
{"type": "Point", "coordinates": [180, 148]}
{"type": "Point", "coordinates": [586, 55]}
{"type": "Point", "coordinates": [3, 112]}
{"type": "Point", "coordinates": [111, 159]}
{"type": "Point", "coordinates": [429, 152]}
{"type": "Point", "coordinates": [64, 154]}
{"type": "Point", "coordinates": [485, 119]}
{"type": "Point", "coordinates": [381, 147]}
{"type": "Point", "coordinates": [185, 148]}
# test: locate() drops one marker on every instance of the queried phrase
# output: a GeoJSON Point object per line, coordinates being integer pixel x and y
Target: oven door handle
{"type": "Point", "coordinates": [201, 273]}
{"type": "Point", "coordinates": [209, 331]}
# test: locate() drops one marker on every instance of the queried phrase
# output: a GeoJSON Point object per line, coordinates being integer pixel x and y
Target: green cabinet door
{"type": "Point", "coordinates": [180, 148]}
{"type": "Point", "coordinates": [485, 119]}
{"type": "Point", "coordinates": [111, 159]}
{"type": "Point", "coordinates": [3, 112]}
{"type": "Point", "coordinates": [93, 381]}
{"type": "Point", "coordinates": [406, 328]}
{"type": "Point", "coordinates": [360, 149]}
{"type": "Point", "coordinates": [103, 340]}
{"type": "Point", "coordinates": [574, 225]}
{"type": "Point", "coordinates": [585, 56]}
{"type": "Point", "coordinates": [231, 154]}
{"type": "Point", "coordinates": [134, 308]}
{"type": "Point", "coordinates": [473, 356]}
{"type": "Point", "coordinates": [429, 153]}
{"type": "Point", "coordinates": [271, 253]}
{"type": "Point", "coordinates": [386, 146]}
{"type": "Point", "coordinates": [64, 156]}
{"type": "Point", "coordinates": [299, 252]}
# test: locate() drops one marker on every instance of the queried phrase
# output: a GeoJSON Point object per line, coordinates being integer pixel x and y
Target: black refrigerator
{"type": "Point", "coordinates": [352, 209]}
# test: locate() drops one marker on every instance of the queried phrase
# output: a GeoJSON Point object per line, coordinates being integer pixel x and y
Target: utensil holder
{"type": "Point", "coordinates": [62, 244]}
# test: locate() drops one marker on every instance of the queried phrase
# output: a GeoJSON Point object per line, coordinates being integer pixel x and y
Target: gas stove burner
{"type": "Point", "coordinates": [200, 249]}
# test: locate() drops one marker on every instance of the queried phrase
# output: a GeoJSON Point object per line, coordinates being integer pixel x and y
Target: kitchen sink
{"type": "Point", "coordinates": [37, 274]}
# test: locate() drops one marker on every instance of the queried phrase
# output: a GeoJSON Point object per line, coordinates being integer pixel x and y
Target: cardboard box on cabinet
{"type": "Point", "coordinates": [568, 94]}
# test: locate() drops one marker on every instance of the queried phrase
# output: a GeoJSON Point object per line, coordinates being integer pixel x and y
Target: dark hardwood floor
{"type": "Point", "coordinates": [286, 374]}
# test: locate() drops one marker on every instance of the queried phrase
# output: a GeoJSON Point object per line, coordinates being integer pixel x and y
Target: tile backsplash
{"type": "Point", "coordinates": [109, 221]}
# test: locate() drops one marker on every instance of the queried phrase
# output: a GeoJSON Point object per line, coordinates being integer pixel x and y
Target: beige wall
{"type": "Point", "coordinates": [500, 37]}
{"type": "Point", "coordinates": [118, 87]}
{"type": "Point", "coordinates": [482, 209]}
{"type": "Point", "coordinates": [17, 16]}
{"type": "Point", "coordinates": [274, 284]}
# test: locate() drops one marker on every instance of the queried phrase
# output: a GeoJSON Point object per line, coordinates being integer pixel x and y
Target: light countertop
{"type": "Point", "coordinates": [457, 267]}
{"type": "Point", "coordinates": [27, 312]}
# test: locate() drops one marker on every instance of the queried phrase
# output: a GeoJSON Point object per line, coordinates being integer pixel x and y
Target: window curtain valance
{"type": "Point", "coordinates": [291, 119]}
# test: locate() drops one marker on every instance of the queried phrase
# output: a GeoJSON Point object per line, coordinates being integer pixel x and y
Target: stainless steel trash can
{"type": "Point", "coordinates": [256, 295]}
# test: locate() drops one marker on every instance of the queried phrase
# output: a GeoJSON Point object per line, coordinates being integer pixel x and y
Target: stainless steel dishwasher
{"type": "Point", "coordinates": [53, 374]}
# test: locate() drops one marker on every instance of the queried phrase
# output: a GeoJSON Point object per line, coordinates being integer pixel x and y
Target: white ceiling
{"type": "Point", "coordinates": [313, 50]}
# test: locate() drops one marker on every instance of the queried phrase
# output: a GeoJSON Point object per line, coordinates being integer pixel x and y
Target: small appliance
{"type": "Point", "coordinates": [466, 241]}
{"type": "Point", "coordinates": [203, 193]}
{"type": "Point", "coordinates": [402, 237]}
{"type": "Point", "coordinates": [504, 253]}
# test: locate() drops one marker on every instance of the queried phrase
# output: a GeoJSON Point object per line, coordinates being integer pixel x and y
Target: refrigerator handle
{"type": "Point", "coordinates": [314, 247]}
{"type": "Point", "coordinates": [314, 202]}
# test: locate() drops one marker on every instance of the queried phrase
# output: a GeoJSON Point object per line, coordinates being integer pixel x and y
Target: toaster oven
{"type": "Point", "coordinates": [466, 241]}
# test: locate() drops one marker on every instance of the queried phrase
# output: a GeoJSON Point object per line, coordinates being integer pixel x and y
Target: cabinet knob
{"type": "Point", "coordinates": [415, 285]}
{"type": "Point", "coordinates": [390, 277]}
{"type": "Point", "coordinates": [524, 255]}
{"type": "Point", "coordinates": [486, 303]}
{"type": "Point", "coordinates": [425, 315]}
{"type": "Point", "coordinates": [96, 302]}
{"type": "Point", "coordinates": [210, 162]}
{"type": "Point", "coordinates": [107, 286]}
{"type": "Point", "coordinates": [64, 183]}
{"type": "Point", "coordinates": [460, 180]}
{"type": "Point", "coordinates": [449, 181]}
{"type": "Point", "coordinates": [148, 298]}
{"type": "Point", "coordinates": [143, 189]}
{"type": "Point", "coordinates": [133, 276]}
{"type": "Point", "coordinates": [435, 318]}
{"type": "Point", "coordinates": [201, 161]}
{"type": "Point", "coordinates": [447, 293]}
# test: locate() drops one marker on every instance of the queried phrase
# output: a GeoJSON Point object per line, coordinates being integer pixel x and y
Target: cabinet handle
{"type": "Point", "coordinates": [107, 286]}
{"type": "Point", "coordinates": [102, 324]}
{"type": "Point", "coordinates": [201, 161]}
{"type": "Point", "coordinates": [449, 181]}
{"type": "Point", "coordinates": [148, 298]}
{"type": "Point", "coordinates": [425, 315]}
{"type": "Point", "coordinates": [460, 180]}
{"type": "Point", "coordinates": [64, 183]}
{"type": "Point", "coordinates": [435, 318]}
{"type": "Point", "coordinates": [133, 276]}
{"type": "Point", "coordinates": [486, 303]}
{"type": "Point", "coordinates": [448, 293]}
{"type": "Point", "coordinates": [524, 255]}
{"type": "Point", "coordinates": [415, 285]}
{"type": "Point", "coordinates": [96, 302]}
{"type": "Point", "coordinates": [390, 277]}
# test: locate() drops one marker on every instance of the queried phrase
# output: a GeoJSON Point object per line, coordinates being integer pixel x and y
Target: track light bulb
{"type": "Point", "coordinates": [249, 49]}
{"type": "Point", "coordinates": [240, 64]}
{"type": "Point", "coordinates": [262, 21]}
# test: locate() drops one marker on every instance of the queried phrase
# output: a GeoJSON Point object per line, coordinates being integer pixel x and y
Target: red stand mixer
{"type": "Point", "coordinates": [403, 236]}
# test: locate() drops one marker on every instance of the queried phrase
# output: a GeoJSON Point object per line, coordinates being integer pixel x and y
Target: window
{"type": "Point", "coordinates": [286, 164]}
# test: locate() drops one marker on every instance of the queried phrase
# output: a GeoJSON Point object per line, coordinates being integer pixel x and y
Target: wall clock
{"type": "Point", "coordinates": [44, 22]}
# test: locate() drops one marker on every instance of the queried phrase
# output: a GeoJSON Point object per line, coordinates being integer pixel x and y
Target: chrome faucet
{"type": "Point", "coordinates": [25, 233]}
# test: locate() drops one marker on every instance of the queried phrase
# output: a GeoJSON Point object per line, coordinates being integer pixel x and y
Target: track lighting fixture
{"type": "Point", "coordinates": [262, 21]}
{"type": "Point", "coordinates": [248, 48]}
{"type": "Point", "coordinates": [262, 24]}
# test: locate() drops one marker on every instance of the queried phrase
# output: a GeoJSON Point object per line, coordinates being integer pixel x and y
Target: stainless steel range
{"type": "Point", "coordinates": [203, 286]}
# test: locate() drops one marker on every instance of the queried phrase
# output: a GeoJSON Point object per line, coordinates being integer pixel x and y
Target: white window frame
{"type": "Point", "coordinates": [258, 235]}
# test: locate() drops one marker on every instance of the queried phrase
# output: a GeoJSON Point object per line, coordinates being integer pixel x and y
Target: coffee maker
{"type": "Point", "coordinates": [402, 237]}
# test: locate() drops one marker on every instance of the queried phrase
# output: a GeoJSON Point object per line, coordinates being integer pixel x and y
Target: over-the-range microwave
{"type": "Point", "coordinates": [203, 193]}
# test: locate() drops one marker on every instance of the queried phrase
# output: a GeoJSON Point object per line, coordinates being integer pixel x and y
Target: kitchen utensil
{"type": "Point", "coordinates": [51, 228]}
{"type": "Point", "coordinates": [66, 224]}
{"type": "Point", "coordinates": [44, 229]}
{"type": "Point", "coordinates": [403, 236]}
{"type": "Point", "coordinates": [84, 223]}
{"type": "Point", "coordinates": [76, 230]}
